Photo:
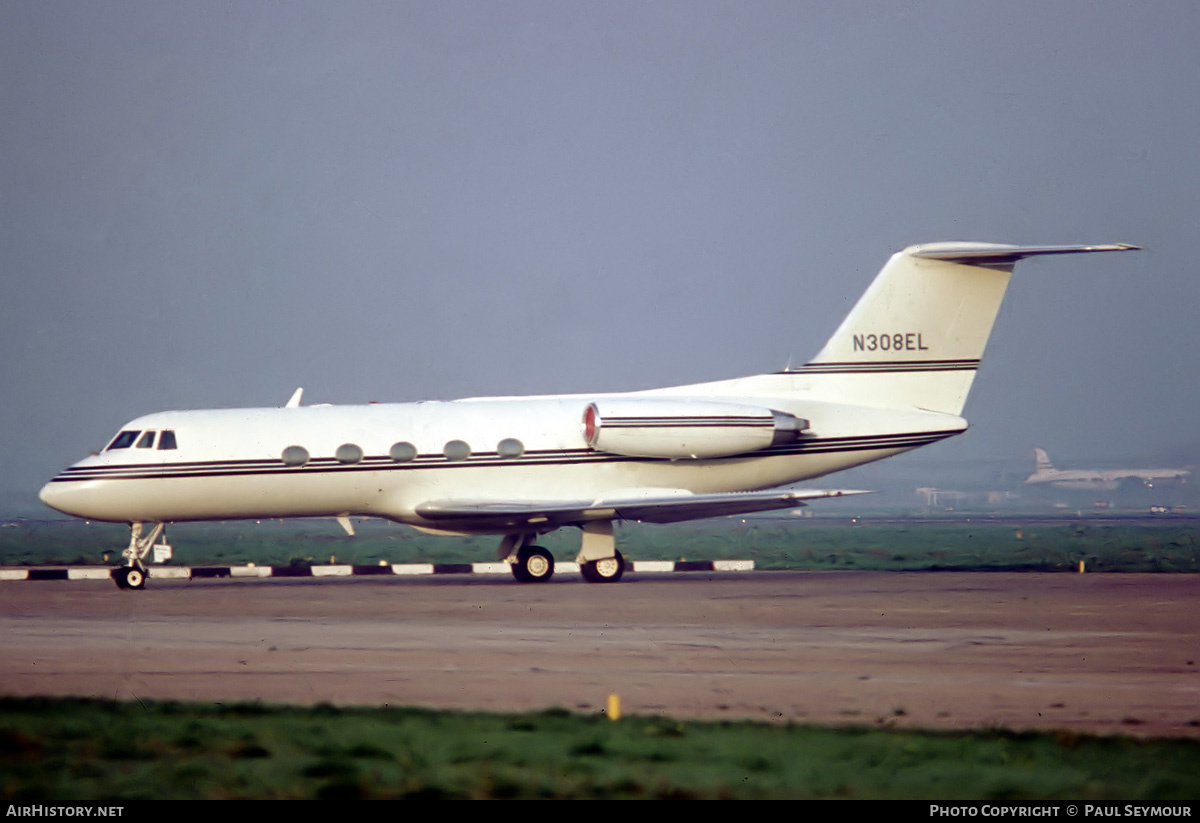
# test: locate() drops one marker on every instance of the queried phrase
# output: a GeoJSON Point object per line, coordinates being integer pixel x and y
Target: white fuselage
{"type": "Point", "coordinates": [229, 464]}
{"type": "Point", "coordinates": [1104, 480]}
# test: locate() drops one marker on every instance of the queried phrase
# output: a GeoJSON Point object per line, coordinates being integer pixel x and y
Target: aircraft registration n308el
{"type": "Point", "coordinates": [894, 376]}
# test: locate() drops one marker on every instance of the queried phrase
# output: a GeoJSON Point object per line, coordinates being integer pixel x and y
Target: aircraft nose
{"type": "Point", "coordinates": [75, 499]}
{"type": "Point", "coordinates": [91, 499]}
{"type": "Point", "coordinates": [52, 494]}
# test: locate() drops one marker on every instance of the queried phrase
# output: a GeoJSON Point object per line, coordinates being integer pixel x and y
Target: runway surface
{"type": "Point", "coordinates": [1106, 653]}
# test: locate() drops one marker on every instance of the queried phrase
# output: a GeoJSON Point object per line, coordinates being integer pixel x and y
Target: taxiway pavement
{"type": "Point", "coordinates": [1105, 653]}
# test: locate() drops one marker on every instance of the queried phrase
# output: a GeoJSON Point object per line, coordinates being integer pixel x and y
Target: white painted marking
{"type": "Point", "coordinates": [170, 573]}
{"type": "Point", "coordinates": [653, 566]}
{"type": "Point", "coordinates": [89, 574]}
{"type": "Point", "coordinates": [491, 568]}
{"type": "Point", "coordinates": [332, 571]}
{"type": "Point", "coordinates": [250, 571]}
{"type": "Point", "coordinates": [412, 568]}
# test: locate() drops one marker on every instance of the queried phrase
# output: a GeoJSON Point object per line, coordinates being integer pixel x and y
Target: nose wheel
{"type": "Point", "coordinates": [130, 577]}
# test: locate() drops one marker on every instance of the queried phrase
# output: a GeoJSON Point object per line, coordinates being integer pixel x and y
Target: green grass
{"type": "Point", "coordinates": [771, 543]}
{"type": "Point", "coordinates": [87, 750]}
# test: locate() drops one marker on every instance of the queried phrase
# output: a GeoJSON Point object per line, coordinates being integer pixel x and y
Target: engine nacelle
{"type": "Point", "coordinates": [685, 429]}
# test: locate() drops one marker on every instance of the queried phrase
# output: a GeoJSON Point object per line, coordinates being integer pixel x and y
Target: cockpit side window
{"type": "Point", "coordinates": [167, 440]}
{"type": "Point", "coordinates": [123, 440]}
{"type": "Point", "coordinates": [147, 441]}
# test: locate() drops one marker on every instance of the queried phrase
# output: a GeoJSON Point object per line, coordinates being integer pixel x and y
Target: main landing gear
{"type": "Point", "coordinates": [598, 558]}
{"type": "Point", "coordinates": [533, 565]}
{"type": "Point", "coordinates": [608, 570]}
{"type": "Point", "coordinates": [133, 574]}
{"type": "Point", "coordinates": [530, 563]}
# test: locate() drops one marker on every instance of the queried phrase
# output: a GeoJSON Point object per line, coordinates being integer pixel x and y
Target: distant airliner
{"type": "Point", "coordinates": [894, 376]}
{"type": "Point", "coordinates": [1098, 479]}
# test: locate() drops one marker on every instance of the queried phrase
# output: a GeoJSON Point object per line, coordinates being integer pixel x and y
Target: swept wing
{"type": "Point", "coordinates": [667, 508]}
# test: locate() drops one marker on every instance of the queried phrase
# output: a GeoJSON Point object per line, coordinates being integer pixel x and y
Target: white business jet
{"type": "Point", "coordinates": [894, 376]}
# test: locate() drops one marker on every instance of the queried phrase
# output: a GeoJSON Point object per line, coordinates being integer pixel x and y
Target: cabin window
{"type": "Point", "coordinates": [147, 441]}
{"type": "Point", "coordinates": [295, 456]}
{"type": "Point", "coordinates": [510, 447]}
{"type": "Point", "coordinates": [167, 439]}
{"type": "Point", "coordinates": [123, 440]}
{"type": "Point", "coordinates": [402, 452]}
{"type": "Point", "coordinates": [457, 450]}
{"type": "Point", "coordinates": [348, 453]}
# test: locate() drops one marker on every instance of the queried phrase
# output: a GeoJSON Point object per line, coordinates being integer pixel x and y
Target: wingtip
{"type": "Point", "coordinates": [806, 494]}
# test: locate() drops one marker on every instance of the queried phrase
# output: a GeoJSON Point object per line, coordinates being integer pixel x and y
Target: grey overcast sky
{"type": "Point", "coordinates": [209, 204]}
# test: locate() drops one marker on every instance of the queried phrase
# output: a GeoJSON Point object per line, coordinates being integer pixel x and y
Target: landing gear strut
{"type": "Point", "coordinates": [133, 574]}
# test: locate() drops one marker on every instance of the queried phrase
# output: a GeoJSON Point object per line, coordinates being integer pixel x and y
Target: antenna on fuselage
{"type": "Point", "coordinates": [294, 402]}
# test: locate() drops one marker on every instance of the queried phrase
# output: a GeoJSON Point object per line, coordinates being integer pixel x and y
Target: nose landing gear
{"type": "Point", "coordinates": [133, 574]}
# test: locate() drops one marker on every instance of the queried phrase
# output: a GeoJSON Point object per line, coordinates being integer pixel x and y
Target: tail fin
{"type": "Point", "coordinates": [1042, 460]}
{"type": "Point", "coordinates": [915, 338]}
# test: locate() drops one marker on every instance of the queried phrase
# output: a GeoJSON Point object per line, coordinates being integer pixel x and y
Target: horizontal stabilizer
{"type": "Point", "coordinates": [995, 254]}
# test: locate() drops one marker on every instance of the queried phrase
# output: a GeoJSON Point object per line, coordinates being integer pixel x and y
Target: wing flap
{"type": "Point", "coordinates": [672, 508]}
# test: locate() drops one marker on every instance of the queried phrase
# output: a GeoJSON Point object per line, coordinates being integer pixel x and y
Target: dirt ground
{"type": "Point", "coordinates": [1106, 653]}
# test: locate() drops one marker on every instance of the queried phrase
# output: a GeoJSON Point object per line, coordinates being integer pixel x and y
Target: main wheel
{"type": "Point", "coordinates": [534, 565]}
{"type": "Point", "coordinates": [608, 570]}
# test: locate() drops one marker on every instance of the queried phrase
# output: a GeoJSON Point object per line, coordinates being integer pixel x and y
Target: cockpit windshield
{"type": "Point", "coordinates": [125, 439]}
